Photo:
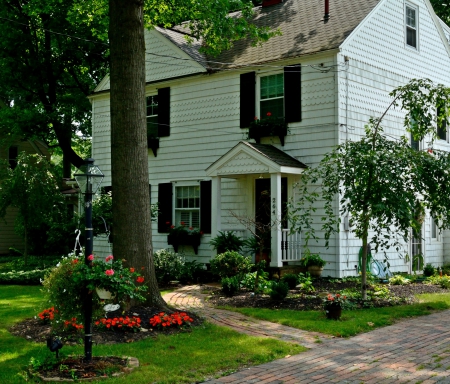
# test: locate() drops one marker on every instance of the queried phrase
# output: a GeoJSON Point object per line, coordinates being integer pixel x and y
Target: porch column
{"type": "Point", "coordinates": [275, 218]}
{"type": "Point", "coordinates": [216, 208]}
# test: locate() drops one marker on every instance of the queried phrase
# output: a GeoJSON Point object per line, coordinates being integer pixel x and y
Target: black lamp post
{"type": "Point", "coordinates": [89, 182]}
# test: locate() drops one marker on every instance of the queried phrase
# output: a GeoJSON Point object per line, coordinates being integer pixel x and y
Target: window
{"type": "Point", "coordinates": [441, 126]}
{"type": "Point", "coordinates": [411, 26]}
{"type": "Point", "coordinates": [152, 116]}
{"type": "Point", "coordinates": [187, 206]}
{"type": "Point", "coordinates": [434, 229]}
{"type": "Point", "coordinates": [271, 97]}
{"type": "Point", "coordinates": [13, 152]}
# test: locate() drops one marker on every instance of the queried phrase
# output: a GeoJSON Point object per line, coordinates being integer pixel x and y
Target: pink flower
{"type": "Point", "coordinates": [109, 272]}
{"type": "Point", "coordinates": [91, 257]}
{"type": "Point", "coordinates": [108, 258]}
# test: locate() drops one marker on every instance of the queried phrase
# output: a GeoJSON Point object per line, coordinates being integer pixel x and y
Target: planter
{"type": "Point", "coordinates": [184, 239]}
{"type": "Point", "coordinates": [333, 311]}
{"type": "Point", "coordinates": [257, 132]}
{"type": "Point", "coordinates": [103, 294]}
{"type": "Point", "coordinates": [153, 144]}
{"type": "Point", "coordinates": [315, 270]}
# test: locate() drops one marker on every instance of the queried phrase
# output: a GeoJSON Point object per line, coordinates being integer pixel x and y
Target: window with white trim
{"type": "Point", "coordinates": [441, 126]}
{"type": "Point", "coordinates": [434, 229]}
{"type": "Point", "coordinates": [152, 116]}
{"type": "Point", "coordinates": [411, 21]}
{"type": "Point", "coordinates": [271, 95]}
{"type": "Point", "coordinates": [187, 206]}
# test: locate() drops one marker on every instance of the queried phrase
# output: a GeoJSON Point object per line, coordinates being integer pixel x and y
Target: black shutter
{"type": "Point", "coordinates": [165, 207]}
{"type": "Point", "coordinates": [163, 112]}
{"type": "Point", "coordinates": [292, 93]}
{"type": "Point", "coordinates": [205, 206]}
{"type": "Point", "coordinates": [247, 99]}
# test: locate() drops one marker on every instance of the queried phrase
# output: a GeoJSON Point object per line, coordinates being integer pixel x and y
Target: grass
{"type": "Point", "coordinates": [351, 322]}
{"type": "Point", "coordinates": [207, 351]}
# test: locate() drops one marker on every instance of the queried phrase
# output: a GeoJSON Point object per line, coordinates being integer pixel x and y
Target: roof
{"type": "Point", "coordinates": [303, 29]}
{"type": "Point", "coordinates": [276, 155]}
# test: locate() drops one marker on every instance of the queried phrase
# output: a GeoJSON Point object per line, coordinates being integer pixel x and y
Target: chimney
{"type": "Point", "coordinates": [268, 3]}
{"type": "Point", "coordinates": [326, 16]}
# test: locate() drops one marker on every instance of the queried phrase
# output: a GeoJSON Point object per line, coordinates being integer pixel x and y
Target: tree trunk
{"type": "Point", "coordinates": [129, 153]}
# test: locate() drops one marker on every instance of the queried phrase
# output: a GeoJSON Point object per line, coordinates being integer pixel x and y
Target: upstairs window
{"type": "Point", "coordinates": [415, 144]}
{"type": "Point", "coordinates": [271, 95]}
{"type": "Point", "coordinates": [187, 206]}
{"type": "Point", "coordinates": [434, 229]}
{"type": "Point", "coordinates": [411, 26]}
{"type": "Point", "coordinates": [152, 116]}
{"type": "Point", "coordinates": [13, 152]}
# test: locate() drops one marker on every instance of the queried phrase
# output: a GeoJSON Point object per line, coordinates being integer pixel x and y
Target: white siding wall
{"type": "Point", "coordinates": [379, 61]}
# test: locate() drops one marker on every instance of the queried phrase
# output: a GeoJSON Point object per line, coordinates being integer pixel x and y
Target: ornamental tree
{"type": "Point", "coordinates": [382, 183]}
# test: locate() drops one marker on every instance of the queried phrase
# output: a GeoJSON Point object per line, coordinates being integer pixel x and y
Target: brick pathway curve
{"type": "Point", "coordinates": [411, 351]}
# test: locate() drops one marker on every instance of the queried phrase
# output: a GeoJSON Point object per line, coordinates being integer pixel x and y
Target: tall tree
{"type": "Point", "coordinates": [383, 184]}
{"type": "Point", "coordinates": [50, 60]}
{"type": "Point", "coordinates": [442, 9]}
{"type": "Point", "coordinates": [209, 20]}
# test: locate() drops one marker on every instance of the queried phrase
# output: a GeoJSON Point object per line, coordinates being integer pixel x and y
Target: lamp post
{"type": "Point", "coordinates": [89, 182]}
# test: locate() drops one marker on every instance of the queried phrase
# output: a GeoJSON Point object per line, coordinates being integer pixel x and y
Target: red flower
{"type": "Point", "coordinates": [182, 222]}
{"type": "Point", "coordinates": [256, 118]}
{"type": "Point", "coordinates": [140, 279]}
{"type": "Point", "coordinates": [108, 258]}
{"type": "Point", "coordinates": [132, 270]}
{"type": "Point", "coordinates": [269, 113]}
{"type": "Point", "coordinates": [91, 257]}
{"type": "Point", "coordinates": [109, 272]}
{"type": "Point", "coordinates": [167, 222]}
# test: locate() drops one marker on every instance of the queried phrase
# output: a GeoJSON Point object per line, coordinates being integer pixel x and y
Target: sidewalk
{"type": "Point", "coordinates": [411, 351]}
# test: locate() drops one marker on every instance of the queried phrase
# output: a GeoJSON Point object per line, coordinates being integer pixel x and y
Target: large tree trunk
{"type": "Point", "coordinates": [129, 154]}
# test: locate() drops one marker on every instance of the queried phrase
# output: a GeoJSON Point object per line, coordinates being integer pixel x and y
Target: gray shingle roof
{"type": "Point", "coordinates": [276, 155]}
{"type": "Point", "coordinates": [302, 26]}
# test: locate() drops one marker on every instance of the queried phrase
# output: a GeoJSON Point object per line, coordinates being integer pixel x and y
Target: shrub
{"type": "Point", "coordinates": [191, 271]}
{"type": "Point", "coordinates": [230, 285]}
{"type": "Point", "coordinates": [227, 241]}
{"type": "Point", "coordinates": [249, 281]}
{"type": "Point", "coordinates": [429, 270]}
{"type": "Point", "coordinates": [279, 290]}
{"type": "Point", "coordinates": [305, 282]}
{"type": "Point", "coordinates": [24, 277]}
{"type": "Point", "coordinates": [290, 279]}
{"type": "Point", "coordinates": [442, 281]}
{"type": "Point", "coordinates": [168, 265]}
{"type": "Point", "coordinates": [230, 264]}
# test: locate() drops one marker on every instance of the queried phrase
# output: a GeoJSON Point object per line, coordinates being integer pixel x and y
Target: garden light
{"type": "Point", "coordinates": [89, 182]}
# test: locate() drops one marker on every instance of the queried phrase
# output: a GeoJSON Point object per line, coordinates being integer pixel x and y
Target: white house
{"type": "Point", "coordinates": [327, 74]}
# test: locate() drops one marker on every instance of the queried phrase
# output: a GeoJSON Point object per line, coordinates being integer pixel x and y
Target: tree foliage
{"type": "Point", "coordinates": [442, 9]}
{"type": "Point", "coordinates": [43, 219]}
{"type": "Point", "coordinates": [383, 184]}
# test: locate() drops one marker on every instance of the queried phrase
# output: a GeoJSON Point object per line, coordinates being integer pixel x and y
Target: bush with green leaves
{"type": "Point", "coordinates": [227, 241]}
{"type": "Point", "coordinates": [171, 266]}
{"type": "Point", "coordinates": [305, 282]}
{"type": "Point", "coordinates": [230, 285]}
{"type": "Point", "coordinates": [33, 277]}
{"type": "Point", "coordinates": [278, 290]}
{"type": "Point", "coordinates": [230, 264]}
{"type": "Point", "coordinates": [442, 281]}
{"type": "Point", "coordinates": [399, 280]}
{"type": "Point", "coordinates": [290, 279]}
{"type": "Point", "coordinates": [429, 270]}
{"type": "Point", "coordinates": [249, 281]}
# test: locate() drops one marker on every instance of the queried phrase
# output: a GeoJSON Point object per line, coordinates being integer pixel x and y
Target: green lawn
{"type": "Point", "coordinates": [351, 322]}
{"type": "Point", "coordinates": [207, 351]}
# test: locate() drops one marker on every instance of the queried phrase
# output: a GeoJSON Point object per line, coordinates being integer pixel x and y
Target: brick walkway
{"type": "Point", "coordinates": [411, 351]}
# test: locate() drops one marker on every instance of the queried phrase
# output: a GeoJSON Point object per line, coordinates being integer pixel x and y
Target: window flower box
{"type": "Point", "coordinates": [268, 126]}
{"type": "Point", "coordinates": [153, 144]}
{"type": "Point", "coordinates": [182, 235]}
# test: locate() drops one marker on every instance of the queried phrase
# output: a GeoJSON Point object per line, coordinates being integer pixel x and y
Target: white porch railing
{"type": "Point", "coordinates": [291, 246]}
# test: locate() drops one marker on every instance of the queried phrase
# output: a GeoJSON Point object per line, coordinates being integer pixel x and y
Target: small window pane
{"type": "Point", "coordinates": [414, 143]}
{"type": "Point", "coordinates": [411, 37]}
{"type": "Point", "coordinates": [272, 86]}
{"type": "Point", "coordinates": [152, 116]}
{"type": "Point", "coordinates": [275, 107]}
{"type": "Point", "coordinates": [410, 17]}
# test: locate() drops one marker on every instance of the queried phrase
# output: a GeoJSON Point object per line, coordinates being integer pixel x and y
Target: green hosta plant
{"type": "Point", "coordinates": [249, 281]}
{"type": "Point", "coordinates": [399, 280]}
{"type": "Point", "coordinates": [442, 281]}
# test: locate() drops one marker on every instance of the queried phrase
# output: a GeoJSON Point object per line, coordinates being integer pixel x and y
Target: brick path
{"type": "Point", "coordinates": [411, 351]}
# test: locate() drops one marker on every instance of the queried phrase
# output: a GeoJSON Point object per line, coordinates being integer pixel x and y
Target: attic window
{"type": "Point", "coordinates": [411, 25]}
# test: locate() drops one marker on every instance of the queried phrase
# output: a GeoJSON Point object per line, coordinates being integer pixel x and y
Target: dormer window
{"type": "Point", "coordinates": [411, 25]}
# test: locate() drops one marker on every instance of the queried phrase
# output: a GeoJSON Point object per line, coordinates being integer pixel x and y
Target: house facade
{"type": "Point", "coordinates": [326, 75]}
{"type": "Point", "coordinates": [8, 236]}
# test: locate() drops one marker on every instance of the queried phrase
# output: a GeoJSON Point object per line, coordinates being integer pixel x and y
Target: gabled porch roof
{"type": "Point", "coordinates": [249, 158]}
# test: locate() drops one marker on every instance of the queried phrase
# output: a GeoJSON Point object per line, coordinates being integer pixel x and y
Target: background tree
{"type": "Point", "coordinates": [383, 184]}
{"type": "Point", "coordinates": [442, 9]}
{"type": "Point", "coordinates": [51, 58]}
{"type": "Point", "coordinates": [32, 188]}
{"type": "Point", "coordinates": [129, 154]}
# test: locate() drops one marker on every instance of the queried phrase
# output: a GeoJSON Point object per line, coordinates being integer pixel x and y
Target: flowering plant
{"type": "Point", "coordinates": [335, 299]}
{"type": "Point", "coordinates": [163, 320]}
{"type": "Point", "coordinates": [183, 229]}
{"type": "Point", "coordinates": [110, 275]}
{"type": "Point", "coordinates": [184, 235]}
{"type": "Point", "coordinates": [119, 324]}
{"type": "Point", "coordinates": [47, 315]}
{"type": "Point", "coordinates": [72, 325]}
{"type": "Point", "coordinates": [268, 126]}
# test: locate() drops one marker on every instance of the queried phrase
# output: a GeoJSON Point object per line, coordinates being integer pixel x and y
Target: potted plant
{"type": "Point", "coordinates": [313, 263]}
{"type": "Point", "coordinates": [333, 305]}
{"type": "Point", "coordinates": [227, 241]}
{"type": "Point", "coordinates": [183, 235]}
{"type": "Point", "coordinates": [268, 126]}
